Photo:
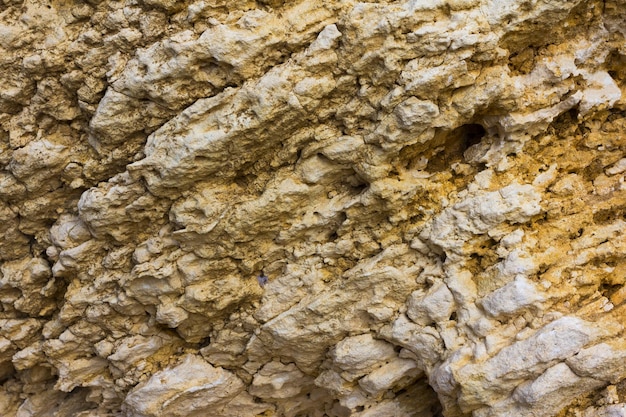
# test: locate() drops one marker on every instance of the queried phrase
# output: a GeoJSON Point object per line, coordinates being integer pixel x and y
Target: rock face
{"type": "Point", "coordinates": [268, 208]}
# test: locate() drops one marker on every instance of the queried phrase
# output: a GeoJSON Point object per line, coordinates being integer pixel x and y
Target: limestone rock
{"type": "Point", "coordinates": [358, 355]}
{"type": "Point", "coordinates": [389, 376]}
{"type": "Point", "coordinates": [271, 208]}
{"type": "Point", "coordinates": [192, 388]}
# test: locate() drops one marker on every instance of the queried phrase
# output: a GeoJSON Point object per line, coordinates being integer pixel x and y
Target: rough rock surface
{"type": "Point", "coordinates": [433, 189]}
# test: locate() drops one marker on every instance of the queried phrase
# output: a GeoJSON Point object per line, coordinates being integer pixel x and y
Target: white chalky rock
{"type": "Point", "coordinates": [435, 306]}
{"type": "Point", "coordinates": [358, 355]}
{"type": "Point", "coordinates": [134, 349]}
{"type": "Point", "coordinates": [546, 395]}
{"type": "Point", "coordinates": [416, 112]}
{"type": "Point", "coordinates": [604, 361]}
{"type": "Point", "coordinates": [192, 388]}
{"type": "Point", "coordinates": [557, 341]}
{"type": "Point", "coordinates": [617, 410]}
{"type": "Point", "coordinates": [617, 168]}
{"type": "Point", "coordinates": [387, 376]}
{"type": "Point", "coordinates": [69, 232]}
{"type": "Point", "coordinates": [557, 378]}
{"type": "Point", "coordinates": [602, 92]}
{"type": "Point", "coordinates": [333, 382]}
{"type": "Point", "coordinates": [476, 215]}
{"type": "Point", "coordinates": [276, 380]}
{"type": "Point", "coordinates": [423, 341]}
{"type": "Point", "coordinates": [515, 296]}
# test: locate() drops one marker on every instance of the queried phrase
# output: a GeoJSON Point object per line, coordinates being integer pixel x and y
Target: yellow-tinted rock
{"type": "Point", "coordinates": [311, 208]}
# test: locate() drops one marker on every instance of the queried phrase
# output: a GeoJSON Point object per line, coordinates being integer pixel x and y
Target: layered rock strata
{"type": "Point", "coordinates": [268, 208]}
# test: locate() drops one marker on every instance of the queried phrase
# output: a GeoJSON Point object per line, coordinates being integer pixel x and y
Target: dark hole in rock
{"type": "Point", "coordinates": [359, 187]}
{"type": "Point", "coordinates": [455, 145]}
{"type": "Point", "coordinates": [323, 157]}
{"type": "Point", "coordinates": [606, 216]}
{"type": "Point", "coordinates": [6, 371]}
{"type": "Point", "coordinates": [472, 135]}
{"type": "Point", "coordinates": [205, 342]}
{"type": "Point", "coordinates": [608, 289]}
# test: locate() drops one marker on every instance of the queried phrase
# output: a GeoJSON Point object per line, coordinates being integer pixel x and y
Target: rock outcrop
{"type": "Point", "coordinates": [268, 208]}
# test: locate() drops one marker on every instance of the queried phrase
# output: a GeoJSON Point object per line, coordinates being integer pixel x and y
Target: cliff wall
{"type": "Point", "coordinates": [308, 208]}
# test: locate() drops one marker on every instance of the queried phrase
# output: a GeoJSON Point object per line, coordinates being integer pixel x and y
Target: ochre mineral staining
{"type": "Point", "coordinates": [433, 191]}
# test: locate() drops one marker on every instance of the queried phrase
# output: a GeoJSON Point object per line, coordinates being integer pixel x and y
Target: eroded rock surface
{"type": "Point", "coordinates": [434, 191]}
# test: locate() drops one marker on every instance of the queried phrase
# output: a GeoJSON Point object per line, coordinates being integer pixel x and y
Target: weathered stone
{"type": "Point", "coordinates": [193, 387]}
{"type": "Point", "coordinates": [436, 305]}
{"type": "Point", "coordinates": [312, 208]}
{"type": "Point", "coordinates": [358, 355]}
{"type": "Point", "coordinates": [276, 380]}
{"type": "Point", "coordinates": [389, 376]}
{"type": "Point", "coordinates": [512, 298]}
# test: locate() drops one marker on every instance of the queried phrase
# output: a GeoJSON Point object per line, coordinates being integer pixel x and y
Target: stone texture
{"type": "Point", "coordinates": [269, 208]}
{"type": "Point", "coordinates": [192, 388]}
